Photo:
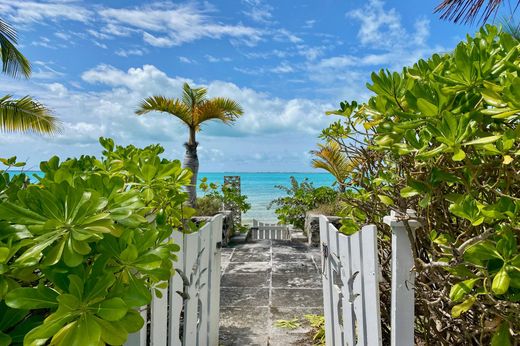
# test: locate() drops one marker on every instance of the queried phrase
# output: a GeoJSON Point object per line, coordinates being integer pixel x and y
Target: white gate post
{"type": "Point", "coordinates": [403, 281]}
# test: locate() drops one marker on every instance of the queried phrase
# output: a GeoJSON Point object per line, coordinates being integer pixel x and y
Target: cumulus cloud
{"type": "Point", "coordinates": [31, 11]}
{"type": "Point", "coordinates": [166, 25]}
{"type": "Point", "coordinates": [381, 28]}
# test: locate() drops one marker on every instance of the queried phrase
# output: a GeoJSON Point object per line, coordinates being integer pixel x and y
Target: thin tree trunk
{"type": "Point", "coordinates": [191, 161]}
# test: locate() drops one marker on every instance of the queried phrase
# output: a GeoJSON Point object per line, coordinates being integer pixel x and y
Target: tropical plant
{"type": "Point", "coordinates": [193, 109]}
{"type": "Point", "coordinates": [442, 138]}
{"type": "Point", "coordinates": [301, 198]}
{"type": "Point", "coordinates": [25, 114]}
{"type": "Point", "coordinates": [84, 247]}
{"type": "Point", "coordinates": [331, 158]}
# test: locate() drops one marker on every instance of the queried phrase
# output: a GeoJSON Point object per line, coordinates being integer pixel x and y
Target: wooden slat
{"type": "Point", "coordinates": [176, 301]}
{"type": "Point", "coordinates": [335, 277]}
{"type": "Point", "coordinates": [327, 285]}
{"type": "Point", "coordinates": [370, 285]}
{"type": "Point", "coordinates": [349, 327]}
{"type": "Point", "coordinates": [201, 284]}
{"type": "Point", "coordinates": [191, 242]}
{"type": "Point", "coordinates": [214, 282]}
{"type": "Point", "coordinates": [159, 319]}
{"type": "Point", "coordinates": [359, 304]}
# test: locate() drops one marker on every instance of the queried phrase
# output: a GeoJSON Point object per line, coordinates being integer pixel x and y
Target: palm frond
{"type": "Point", "coordinates": [193, 96]}
{"type": "Point", "coordinates": [467, 10]}
{"type": "Point", "coordinates": [13, 62]}
{"type": "Point", "coordinates": [174, 107]}
{"type": "Point", "coordinates": [218, 108]}
{"type": "Point", "coordinates": [26, 115]}
{"type": "Point", "coordinates": [333, 160]}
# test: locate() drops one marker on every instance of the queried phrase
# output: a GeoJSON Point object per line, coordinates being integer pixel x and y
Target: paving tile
{"type": "Point", "coordinates": [242, 319]}
{"type": "Point", "coordinates": [245, 280]}
{"type": "Point", "coordinates": [248, 267]}
{"type": "Point", "coordinates": [242, 256]}
{"type": "Point", "coordinates": [294, 267]}
{"type": "Point", "coordinates": [242, 297]}
{"type": "Point", "coordinates": [291, 257]}
{"type": "Point", "coordinates": [234, 338]}
{"type": "Point", "coordinates": [299, 339]}
{"type": "Point", "coordinates": [296, 297]}
{"type": "Point", "coordinates": [297, 280]}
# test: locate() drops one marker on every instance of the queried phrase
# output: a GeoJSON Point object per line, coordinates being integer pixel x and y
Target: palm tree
{"type": "Point", "coordinates": [25, 114]}
{"type": "Point", "coordinates": [468, 10]}
{"type": "Point", "coordinates": [331, 158]}
{"type": "Point", "coordinates": [193, 109]}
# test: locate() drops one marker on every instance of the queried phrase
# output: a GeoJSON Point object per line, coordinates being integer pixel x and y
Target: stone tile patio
{"type": "Point", "coordinates": [263, 282]}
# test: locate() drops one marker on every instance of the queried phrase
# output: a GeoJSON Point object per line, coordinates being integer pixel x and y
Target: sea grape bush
{"type": "Point", "coordinates": [300, 198]}
{"type": "Point", "coordinates": [441, 137]}
{"type": "Point", "coordinates": [83, 247]}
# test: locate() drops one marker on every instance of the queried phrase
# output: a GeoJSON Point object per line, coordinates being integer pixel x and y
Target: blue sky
{"type": "Point", "coordinates": [286, 62]}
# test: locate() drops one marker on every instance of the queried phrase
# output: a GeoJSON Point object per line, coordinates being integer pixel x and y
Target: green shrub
{"type": "Point", "coordinates": [301, 198]}
{"type": "Point", "coordinates": [442, 138]}
{"type": "Point", "coordinates": [82, 249]}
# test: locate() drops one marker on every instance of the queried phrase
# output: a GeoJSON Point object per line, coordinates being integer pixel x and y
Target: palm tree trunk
{"type": "Point", "coordinates": [191, 161]}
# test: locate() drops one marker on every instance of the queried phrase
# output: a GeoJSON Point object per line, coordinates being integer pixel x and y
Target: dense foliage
{"type": "Point", "coordinates": [82, 248]}
{"type": "Point", "coordinates": [301, 198]}
{"type": "Point", "coordinates": [442, 138]}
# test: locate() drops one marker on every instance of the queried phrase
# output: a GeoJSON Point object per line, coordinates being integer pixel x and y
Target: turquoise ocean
{"type": "Point", "coordinates": [260, 189]}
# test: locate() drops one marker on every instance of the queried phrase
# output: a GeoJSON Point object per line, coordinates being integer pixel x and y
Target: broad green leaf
{"type": "Point", "coordinates": [458, 155]}
{"type": "Point", "coordinates": [111, 309]}
{"type": "Point", "coordinates": [501, 282]}
{"type": "Point", "coordinates": [457, 310]}
{"type": "Point", "coordinates": [459, 290]}
{"type": "Point", "coordinates": [501, 337]}
{"type": "Point", "coordinates": [132, 322]}
{"type": "Point", "coordinates": [32, 298]}
{"type": "Point", "coordinates": [427, 108]}
{"type": "Point", "coordinates": [484, 140]}
{"type": "Point", "coordinates": [385, 199]}
{"type": "Point", "coordinates": [408, 191]}
{"type": "Point", "coordinates": [112, 333]}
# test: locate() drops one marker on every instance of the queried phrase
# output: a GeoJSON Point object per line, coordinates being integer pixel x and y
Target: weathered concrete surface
{"type": "Point", "coordinates": [267, 281]}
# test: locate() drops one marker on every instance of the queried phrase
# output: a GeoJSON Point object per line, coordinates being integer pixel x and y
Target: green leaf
{"type": "Point", "coordinates": [4, 254]}
{"type": "Point", "coordinates": [32, 298]}
{"type": "Point", "coordinates": [457, 310]}
{"type": "Point", "coordinates": [385, 199]}
{"type": "Point", "coordinates": [501, 336]}
{"type": "Point", "coordinates": [112, 309]}
{"type": "Point", "coordinates": [427, 108]}
{"type": "Point", "coordinates": [459, 290]}
{"type": "Point", "coordinates": [458, 155]}
{"type": "Point", "coordinates": [112, 333]}
{"type": "Point", "coordinates": [501, 282]}
{"type": "Point", "coordinates": [132, 322]}
{"type": "Point", "coordinates": [484, 140]}
{"type": "Point", "coordinates": [408, 191]}
{"type": "Point", "coordinates": [5, 339]}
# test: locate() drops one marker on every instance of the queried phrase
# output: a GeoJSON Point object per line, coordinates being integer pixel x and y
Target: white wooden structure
{"type": "Point", "coordinates": [351, 285]}
{"type": "Point", "coordinates": [194, 320]}
{"type": "Point", "coordinates": [262, 231]}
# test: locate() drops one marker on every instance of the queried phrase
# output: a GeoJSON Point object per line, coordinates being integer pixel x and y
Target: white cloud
{"type": "Point", "coordinates": [129, 52]}
{"type": "Point", "coordinates": [259, 11]}
{"type": "Point", "coordinates": [309, 24]}
{"type": "Point", "coordinates": [166, 25]}
{"type": "Point", "coordinates": [284, 67]}
{"type": "Point", "coordinates": [381, 28]}
{"type": "Point", "coordinates": [186, 60]}
{"type": "Point", "coordinates": [31, 11]}
{"type": "Point", "coordinates": [211, 58]}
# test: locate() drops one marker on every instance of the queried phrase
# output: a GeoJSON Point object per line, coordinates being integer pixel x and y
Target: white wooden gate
{"type": "Point", "coordinates": [199, 260]}
{"type": "Point", "coordinates": [351, 285]}
{"type": "Point", "coordinates": [261, 231]}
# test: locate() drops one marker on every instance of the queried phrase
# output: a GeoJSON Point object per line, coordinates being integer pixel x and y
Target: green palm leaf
{"type": "Point", "coordinates": [333, 160]}
{"type": "Point", "coordinates": [13, 62]}
{"type": "Point", "coordinates": [174, 107]}
{"type": "Point", "coordinates": [26, 115]}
